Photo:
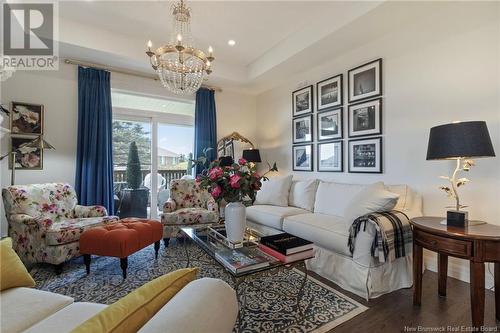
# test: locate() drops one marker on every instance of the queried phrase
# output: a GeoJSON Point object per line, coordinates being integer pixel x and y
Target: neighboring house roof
{"type": "Point", "coordinates": [167, 153]}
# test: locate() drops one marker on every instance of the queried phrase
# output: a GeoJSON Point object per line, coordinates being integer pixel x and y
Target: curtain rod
{"type": "Point", "coordinates": [123, 71]}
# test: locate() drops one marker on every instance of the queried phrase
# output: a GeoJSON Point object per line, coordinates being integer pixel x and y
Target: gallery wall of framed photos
{"type": "Point", "coordinates": [318, 124]}
{"type": "Point", "coordinates": [26, 124]}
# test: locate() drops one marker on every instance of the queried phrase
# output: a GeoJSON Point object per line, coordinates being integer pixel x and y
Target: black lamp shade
{"type": "Point", "coordinates": [252, 155]}
{"type": "Point", "coordinates": [460, 140]}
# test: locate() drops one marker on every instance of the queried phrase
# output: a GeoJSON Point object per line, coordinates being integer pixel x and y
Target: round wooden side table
{"type": "Point", "coordinates": [477, 243]}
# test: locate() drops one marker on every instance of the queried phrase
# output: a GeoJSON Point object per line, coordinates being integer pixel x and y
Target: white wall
{"type": "Point", "coordinates": [442, 68]}
{"type": "Point", "coordinates": [57, 91]}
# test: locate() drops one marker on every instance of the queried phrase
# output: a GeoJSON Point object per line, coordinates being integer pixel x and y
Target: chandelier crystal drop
{"type": "Point", "coordinates": [180, 66]}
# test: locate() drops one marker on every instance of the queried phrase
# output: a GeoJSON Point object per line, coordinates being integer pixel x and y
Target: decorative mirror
{"type": "Point", "coordinates": [233, 145]}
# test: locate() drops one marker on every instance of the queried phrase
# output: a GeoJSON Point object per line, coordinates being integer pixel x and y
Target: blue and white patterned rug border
{"type": "Point", "coordinates": [331, 325]}
{"type": "Point", "coordinates": [106, 271]}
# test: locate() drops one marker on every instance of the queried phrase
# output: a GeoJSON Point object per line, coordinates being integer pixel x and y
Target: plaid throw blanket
{"type": "Point", "coordinates": [393, 233]}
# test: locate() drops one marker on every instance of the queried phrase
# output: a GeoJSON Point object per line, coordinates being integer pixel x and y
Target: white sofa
{"type": "Point", "coordinates": [316, 211]}
{"type": "Point", "coordinates": [204, 305]}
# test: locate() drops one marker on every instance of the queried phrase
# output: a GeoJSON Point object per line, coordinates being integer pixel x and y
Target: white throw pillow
{"type": "Point", "coordinates": [373, 198]}
{"type": "Point", "coordinates": [302, 193]}
{"type": "Point", "coordinates": [333, 198]}
{"type": "Point", "coordinates": [274, 191]}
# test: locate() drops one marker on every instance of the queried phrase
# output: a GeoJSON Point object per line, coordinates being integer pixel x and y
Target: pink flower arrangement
{"type": "Point", "coordinates": [233, 183]}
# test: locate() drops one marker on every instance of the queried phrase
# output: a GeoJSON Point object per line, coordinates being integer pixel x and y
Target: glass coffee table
{"type": "Point", "coordinates": [209, 245]}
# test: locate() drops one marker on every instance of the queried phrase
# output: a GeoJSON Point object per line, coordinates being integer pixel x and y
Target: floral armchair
{"type": "Point", "coordinates": [188, 204]}
{"type": "Point", "coordinates": [45, 222]}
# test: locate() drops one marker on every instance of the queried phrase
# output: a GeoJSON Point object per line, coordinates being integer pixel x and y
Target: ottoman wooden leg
{"type": "Point", "coordinates": [157, 248]}
{"type": "Point", "coordinates": [86, 260]}
{"type": "Point", "coordinates": [124, 265]}
{"type": "Point", "coordinates": [166, 241]}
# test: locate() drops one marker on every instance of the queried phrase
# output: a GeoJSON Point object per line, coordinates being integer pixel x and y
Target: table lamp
{"type": "Point", "coordinates": [460, 141]}
{"type": "Point", "coordinates": [252, 155]}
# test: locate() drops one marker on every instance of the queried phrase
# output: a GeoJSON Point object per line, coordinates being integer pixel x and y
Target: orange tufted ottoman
{"type": "Point", "coordinates": [120, 240]}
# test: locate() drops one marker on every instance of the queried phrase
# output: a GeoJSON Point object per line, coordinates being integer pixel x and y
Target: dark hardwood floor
{"type": "Point", "coordinates": [395, 311]}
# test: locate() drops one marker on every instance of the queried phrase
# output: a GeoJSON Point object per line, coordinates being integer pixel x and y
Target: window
{"type": "Point", "coordinates": [164, 135]}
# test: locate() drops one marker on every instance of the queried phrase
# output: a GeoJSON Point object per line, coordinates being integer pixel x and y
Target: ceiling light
{"type": "Point", "coordinates": [231, 42]}
{"type": "Point", "coordinates": [179, 64]}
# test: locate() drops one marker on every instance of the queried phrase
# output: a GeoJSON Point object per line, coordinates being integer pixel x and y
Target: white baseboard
{"type": "Point", "coordinates": [458, 268]}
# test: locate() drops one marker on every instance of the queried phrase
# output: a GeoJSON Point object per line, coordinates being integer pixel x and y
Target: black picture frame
{"type": "Point", "coordinates": [376, 65]}
{"type": "Point", "coordinates": [310, 101]}
{"type": "Point", "coordinates": [320, 115]}
{"type": "Point", "coordinates": [294, 128]}
{"type": "Point", "coordinates": [377, 118]}
{"type": "Point", "coordinates": [294, 158]}
{"type": "Point", "coordinates": [26, 119]}
{"type": "Point", "coordinates": [377, 168]}
{"type": "Point", "coordinates": [339, 78]}
{"type": "Point", "coordinates": [341, 154]}
{"type": "Point", "coordinates": [26, 158]}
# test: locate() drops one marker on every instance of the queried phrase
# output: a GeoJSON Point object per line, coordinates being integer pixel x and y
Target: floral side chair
{"type": "Point", "coordinates": [45, 221]}
{"type": "Point", "coordinates": [188, 205]}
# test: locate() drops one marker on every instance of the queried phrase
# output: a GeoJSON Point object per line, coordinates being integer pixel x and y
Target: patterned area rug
{"type": "Point", "coordinates": [267, 309]}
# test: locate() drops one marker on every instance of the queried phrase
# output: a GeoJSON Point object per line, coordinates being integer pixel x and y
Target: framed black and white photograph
{"type": "Point", "coordinates": [302, 157]}
{"type": "Point", "coordinates": [26, 119]}
{"type": "Point", "coordinates": [365, 118]}
{"type": "Point", "coordinates": [229, 149]}
{"type": "Point", "coordinates": [330, 156]}
{"type": "Point", "coordinates": [330, 125]}
{"type": "Point", "coordinates": [365, 155]}
{"type": "Point", "coordinates": [27, 158]}
{"type": "Point", "coordinates": [365, 81]}
{"type": "Point", "coordinates": [302, 101]}
{"type": "Point", "coordinates": [329, 93]}
{"type": "Point", "coordinates": [302, 129]}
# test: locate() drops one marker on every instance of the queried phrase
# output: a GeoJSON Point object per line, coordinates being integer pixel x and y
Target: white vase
{"type": "Point", "coordinates": [235, 221]}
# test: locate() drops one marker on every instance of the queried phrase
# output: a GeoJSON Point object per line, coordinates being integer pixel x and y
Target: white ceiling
{"type": "Point", "coordinates": [268, 34]}
{"type": "Point", "coordinates": [256, 26]}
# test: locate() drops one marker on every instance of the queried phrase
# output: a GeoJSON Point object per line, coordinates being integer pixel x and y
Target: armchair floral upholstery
{"type": "Point", "coordinates": [188, 204]}
{"type": "Point", "coordinates": [45, 222]}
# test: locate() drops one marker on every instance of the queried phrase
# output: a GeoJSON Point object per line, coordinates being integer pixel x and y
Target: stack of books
{"type": "Point", "coordinates": [243, 259]}
{"type": "Point", "coordinates": [286, 247]}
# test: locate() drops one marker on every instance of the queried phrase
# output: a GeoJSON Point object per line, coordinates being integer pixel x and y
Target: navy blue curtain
{"type": "Point", "coordinates": [205, 125]}
{"type": "Point", "coordinates": [94, 160]}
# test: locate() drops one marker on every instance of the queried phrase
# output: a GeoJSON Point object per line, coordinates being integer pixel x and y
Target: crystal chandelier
{"type": "Point", "coordinates": [180, 66]}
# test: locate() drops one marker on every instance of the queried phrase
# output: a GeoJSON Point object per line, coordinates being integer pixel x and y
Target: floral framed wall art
{"type": "Point", "coordinates": [27, 158]}
{"type": "Point", "coordinates": [26, 118]}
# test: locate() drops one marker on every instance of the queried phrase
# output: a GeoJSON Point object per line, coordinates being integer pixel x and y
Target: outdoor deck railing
{"type": "Point", "coordinates": [120, 176]}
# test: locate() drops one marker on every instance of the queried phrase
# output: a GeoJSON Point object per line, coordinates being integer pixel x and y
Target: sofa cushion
{"type": "Point", "coordinates": [373, 198]}
{"type": "Point", "coordinates": [12, 270]}
{"type": "Point", "coordinates": [302, 194]}
{"type": "Point", "coordinates": [134, 310]}
{"type": "Point", "coordinates": [70, 230]}
{"type": "Point", "coordinates": [274, 191]}
{"type": "Point", "coordinates": [406, 195]}
{"type": "Point", "coordinates": [205, 305]}
{"type": "Point", "coordinates": [327, 231]}
{"type": "Point", "coordinates": [24, 307]}
{"type": "Point", "coordinates": [68, 318]}
{"type": "Point", "coordinates": [333, 198]}
{"type": "Point", "coordinates": [272, 216]}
